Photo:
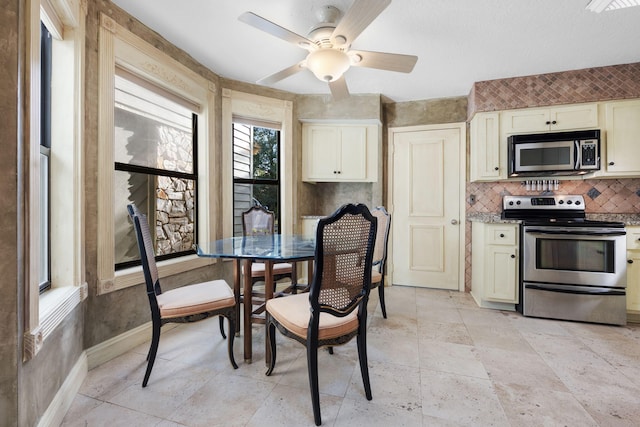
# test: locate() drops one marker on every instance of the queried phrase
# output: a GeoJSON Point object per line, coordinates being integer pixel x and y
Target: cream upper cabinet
{"type": "Point", "coordinates": [550, 119]}
{"type": "Point", "coordinates": [341, 152]}
{"type": "Point", "coordinates": [622, 134]}
{"type": "Point", "coordinates": [488, 153]}
{"type": "Point", "coordinates": [633, 268]}
{"type": "Point", "coordinates": [494, 265]}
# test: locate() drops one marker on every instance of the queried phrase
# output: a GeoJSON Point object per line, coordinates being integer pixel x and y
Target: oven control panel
{"type": "Point", "coordinates": [554, 202]}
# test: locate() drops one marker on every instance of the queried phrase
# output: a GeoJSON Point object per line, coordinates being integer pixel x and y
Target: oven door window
{"type": "Point", "coordinates": [575, 255]}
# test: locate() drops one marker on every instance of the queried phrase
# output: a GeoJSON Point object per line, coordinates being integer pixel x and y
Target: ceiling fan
{"type": "Point", "coordinates": [329, 45]}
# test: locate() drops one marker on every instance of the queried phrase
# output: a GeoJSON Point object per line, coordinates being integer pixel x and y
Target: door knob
{"type": "Point", "coordinates": [454, 221]}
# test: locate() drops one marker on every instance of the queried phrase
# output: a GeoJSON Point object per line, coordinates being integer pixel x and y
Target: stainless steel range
{"type": "Point", "coordinates": [571, 268]}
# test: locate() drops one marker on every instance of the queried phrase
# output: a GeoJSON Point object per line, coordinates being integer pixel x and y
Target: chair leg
{"type": "Point", "coordinates": [271, 338]}
{"type": "Point", "coordinates": [312, 366]}
{"type": "Point", "coordinates": [364, 366]}
{"type": "Point", "coordinates": [224, 336]}
{"type": "Point", "coordinates": [232, 336]}
{"type": "Point", "coordinates": [153, 350]}
{"type": "Point", "coordinates": [381, 294]}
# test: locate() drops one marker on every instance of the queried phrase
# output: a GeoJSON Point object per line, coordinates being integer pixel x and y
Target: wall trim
{"type": "Point", "coordinates": [120, 344]}
{"type": "Point", "coordinates": [63, 399]}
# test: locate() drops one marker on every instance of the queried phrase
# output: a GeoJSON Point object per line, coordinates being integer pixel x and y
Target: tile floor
{"type": "Point", "coordinates": [438, 360]}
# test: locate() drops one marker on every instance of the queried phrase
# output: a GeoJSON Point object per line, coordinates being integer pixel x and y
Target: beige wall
{"type": "Point", "coordinates": [10, 326]}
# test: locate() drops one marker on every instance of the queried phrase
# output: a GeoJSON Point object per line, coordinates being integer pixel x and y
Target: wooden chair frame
{"type": "Point", "coordinates": [147, 257]}
{"type": "Point", "coordinates": [312, 341]}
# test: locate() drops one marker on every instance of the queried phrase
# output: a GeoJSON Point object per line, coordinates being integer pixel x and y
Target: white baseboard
{"type": "Point", "coordinates": [61, 403]}
{"type": "Point", "coordinates": [114, 347]}
{"type": "Point", "coordinates": [89, 359]}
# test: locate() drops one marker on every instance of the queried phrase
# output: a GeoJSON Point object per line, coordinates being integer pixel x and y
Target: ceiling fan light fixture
{"type": "Point", "coordinates": [607, 5]}
{"type": "Point", "coordinates": [328, 65]}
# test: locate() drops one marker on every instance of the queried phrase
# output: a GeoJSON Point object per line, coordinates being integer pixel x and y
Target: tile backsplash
{"type": "Point", "coordinates": [602, 196]}
{"type": "Point", "coordinates": [566, 87]}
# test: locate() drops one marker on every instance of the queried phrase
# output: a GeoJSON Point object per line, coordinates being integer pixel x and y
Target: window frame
{"type": "Point", "coordinates": [65, 20]}
{"type": "Point", "coordinates": [260, 109]}
{"type": "Point", "coordinates": [123, 49]}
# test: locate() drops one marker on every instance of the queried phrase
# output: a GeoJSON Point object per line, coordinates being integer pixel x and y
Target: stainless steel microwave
{"type": "Point", "coordinates": [559, 153]}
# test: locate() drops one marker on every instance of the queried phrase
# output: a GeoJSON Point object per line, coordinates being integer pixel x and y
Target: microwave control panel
{"type": "Point", "coordinates": [589, 154]}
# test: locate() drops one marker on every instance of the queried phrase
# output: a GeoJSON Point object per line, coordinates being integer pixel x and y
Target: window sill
{"type": "Point", "coordinates": [54, 306]}
{"type": "Point", "coordinates": [134, 276]}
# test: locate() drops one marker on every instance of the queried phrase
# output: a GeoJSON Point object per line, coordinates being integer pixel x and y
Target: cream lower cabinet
{"type": "Point", "coordinates": [339, 153]}
{"type": "Point", "coordinates": [622, 148]}
{"type": "Point", "coordinates": [633, 269]}
{"type": "Point", "coordinates": [494, 265]}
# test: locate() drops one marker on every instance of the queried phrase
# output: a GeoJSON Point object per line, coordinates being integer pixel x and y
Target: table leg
{"type": "Point", "coordinates": [247, 310]}
{"type": "Point", "coordinates": [268, 294]}
{"type": "Point", "coordinates": [237, 276]}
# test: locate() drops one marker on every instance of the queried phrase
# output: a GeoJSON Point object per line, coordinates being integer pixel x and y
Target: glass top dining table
{"type": "Point", "coordinates": [277, 247]}
{"type": "Point", "coordinates": [270, 249]}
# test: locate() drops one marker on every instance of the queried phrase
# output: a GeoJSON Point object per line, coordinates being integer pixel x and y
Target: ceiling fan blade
{"type": "Point", "coordinates": [280, 75]}
{"type": "Point", "coordinates": [339, 89]}
{"type": "Point", "coordinates": [276, 30]}
{"type": "Point", "coordinates": [384, 61]}
{"type": "Point", "coordinates": [357, 18]}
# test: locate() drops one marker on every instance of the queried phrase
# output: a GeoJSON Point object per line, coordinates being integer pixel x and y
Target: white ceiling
{"type": "Point", "coordinates": [458, 42]}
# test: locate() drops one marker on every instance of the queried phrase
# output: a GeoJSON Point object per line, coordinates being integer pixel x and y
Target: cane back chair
{"type": "Point", "coordinates": [181, 305]}
{"type": "Point", "coordinates": [380, 254]}
{"type": "Point", "coordinates": [335, 310]}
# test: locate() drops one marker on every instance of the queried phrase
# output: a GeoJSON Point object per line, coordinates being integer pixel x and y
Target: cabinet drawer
{"type": "Point", "coordinates": [633, 238]}
{"type": "Point", "coordinates": [497, 235]}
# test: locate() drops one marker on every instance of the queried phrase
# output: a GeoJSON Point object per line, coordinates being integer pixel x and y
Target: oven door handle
{"type": "Point", "coordinates": [564, 290]}
{"type": "Point", "coordinates": [577, 233]}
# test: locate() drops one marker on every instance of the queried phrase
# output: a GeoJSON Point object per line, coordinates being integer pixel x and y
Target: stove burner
{"type": "Point", "coordinates": [558, 210]}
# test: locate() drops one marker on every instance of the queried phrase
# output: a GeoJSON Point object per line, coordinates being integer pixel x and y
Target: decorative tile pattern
{"type": "Point", "coordinates": [593, 193]}
{"type": "Point", "coordinates": [567, 87]}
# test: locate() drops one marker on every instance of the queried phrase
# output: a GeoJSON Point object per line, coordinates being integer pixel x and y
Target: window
{"type": "Point", "coordinates": [270, 114]}
{"type": "Point", "coordinates": [155, 168]}
{"type": "Point", "coordinates": [54, 192]}
{"type": "Point", "coordinates": [256, 171]}
{"type": "Point", "coordinates": [44, 261]}
{"type": "Point", "coordinates": [156, 148]}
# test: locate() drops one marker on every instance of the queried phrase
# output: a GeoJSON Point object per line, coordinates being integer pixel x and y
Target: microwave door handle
{"type": "Point", "coordinates": [578, 155]}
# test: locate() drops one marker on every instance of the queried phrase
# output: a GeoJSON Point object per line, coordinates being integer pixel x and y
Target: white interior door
{"type": "Point", "coordinates": [426, 218]}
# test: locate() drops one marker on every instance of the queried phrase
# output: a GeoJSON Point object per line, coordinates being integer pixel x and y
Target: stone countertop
{"type": "Point", "coordinates": [488, 217]}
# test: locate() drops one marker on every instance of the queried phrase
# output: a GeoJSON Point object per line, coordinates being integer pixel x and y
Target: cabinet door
{"type": "Point", "coordinates": [501, 274]}
{"type": "Point", "coordinates": [525, 121]}
{"type": "Point", "coordinates": [488, 157]}
{"type": "Point", "coordinates": [552, 119]}
{"type": "Point", "coordinates": [583, 116]}
{"type": "Point", "coordinates": [633, 268]}
{"type": "Point", "coordinates": [622, 138]}
{"type": "Point", "coordinates": [353, 154]}
{"type": "Point", "coordinates": [321, 145]}
{"type": "Point", "coordinates": [633, 281]}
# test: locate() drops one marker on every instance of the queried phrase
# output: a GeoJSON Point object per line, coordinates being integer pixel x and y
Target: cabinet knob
{"type": "Point", "coordinates": [630, 261]}
{"type": "Point", "coordinates": [454, 221]}
{"type": "Point", "coordinates": [611, 163]}
{"type": "Point", "coordinates": [547, 122]}
{"type": "Point", "coordinates": [496, 168]}
{"type": "Point", "coordinates": [501, 235]}
{"type": "Point", "coordinates": [554, 122]}
{"type": "Point", "coordinates": [513, 256]}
